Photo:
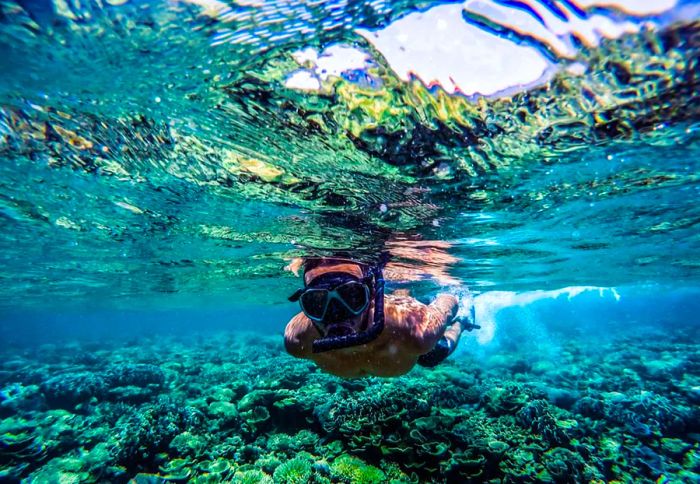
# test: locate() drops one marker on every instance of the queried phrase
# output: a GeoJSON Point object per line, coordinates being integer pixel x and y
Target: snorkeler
{"type": "Point", "coordinates": [350, 328]}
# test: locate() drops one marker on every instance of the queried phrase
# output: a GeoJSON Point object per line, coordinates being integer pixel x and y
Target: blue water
{"type": "Point", "coordinates": [638, 309]}
{"type": "Point", "coordinates": [162, 163]}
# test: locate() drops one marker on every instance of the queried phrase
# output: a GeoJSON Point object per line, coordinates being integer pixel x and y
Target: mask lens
{"type": "Point", "coordinates": [355, 295]}
{"type": "Point", "coordinates": [336, 312]}
{"type": "Point", "coordinates": [313, 302]}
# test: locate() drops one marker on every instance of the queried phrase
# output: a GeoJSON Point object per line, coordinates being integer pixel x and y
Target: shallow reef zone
{"type": "Point", "coordinates": [234, 407]}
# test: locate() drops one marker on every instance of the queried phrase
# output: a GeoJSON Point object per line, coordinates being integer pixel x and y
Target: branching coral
{"type": "Point", "coordinates": [137, 438]}
{"type": "Point", "coordinates": [351, 470]}
{"type": "Point", "coordinates": [70, 389]}
{"type": "Point", "coordinates": [298, 470]}
{"type": "Point", "coordinates": [540, 417]}
{"type": "Point", "coordinates": [425, 427]}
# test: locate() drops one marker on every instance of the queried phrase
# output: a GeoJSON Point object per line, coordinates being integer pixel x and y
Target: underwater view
{"type": "Point", "coordinates": [349, 241]}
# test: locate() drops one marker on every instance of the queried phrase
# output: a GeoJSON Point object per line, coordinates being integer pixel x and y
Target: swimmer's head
{"type": "Point", "coordinates": [344, 299]}
{"type": "Point", "coordinates": [337, 296]}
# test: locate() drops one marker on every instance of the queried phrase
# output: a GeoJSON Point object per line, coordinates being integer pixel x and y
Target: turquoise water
{"type": "Point", "coordinates": [161, 163]}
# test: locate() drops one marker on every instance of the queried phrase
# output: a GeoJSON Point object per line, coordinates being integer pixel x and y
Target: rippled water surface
{"type": "Point", "coordinates": [179, 149]}
{"type": "Point", "coordinates": [163, 163]}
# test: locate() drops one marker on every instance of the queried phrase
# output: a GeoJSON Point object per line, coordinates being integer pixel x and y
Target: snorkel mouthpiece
{"type": "Point", "coordinates": [338, 342]}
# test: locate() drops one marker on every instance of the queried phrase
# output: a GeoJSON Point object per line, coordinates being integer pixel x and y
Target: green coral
{"type": "Point", "coordinates": [507, 398]}
{"type": "Point", "coordinates": [294, 471]}
{"type": "Point", "coordinates": [177, 469]}
{"type": "Point", "coordinates": [225, 411]}
{"type": "Point", "coordinates": [351, 470]}
{"type": "Point", "coordinates": [255, 417]}
{"type": "Point", "coordinates": [67, 469]}
{"type": "Point", "coordinates": [691, 461]}
{"type": "Point", "coordinates": [187, 443]}
{"type": "Point", "coordinates": [543, 419]}
{"type": "Point", "coordinates": [251, 476]}
{"type": "Point", "coordinates": [409, 429]}
{"type": "Point", "coordinates": [219, 468]}
{"type": "Point", "coordinates": [563, 465]}
{"type": "Point", "coordinates": [520, 465]}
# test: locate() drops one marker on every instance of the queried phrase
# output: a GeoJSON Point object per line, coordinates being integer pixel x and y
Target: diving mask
{"type": "Point", "coordinates": [334, 297]}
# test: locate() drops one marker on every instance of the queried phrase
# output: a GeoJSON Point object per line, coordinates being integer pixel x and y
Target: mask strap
{"type": "Point", "coordinates": [295, 297]}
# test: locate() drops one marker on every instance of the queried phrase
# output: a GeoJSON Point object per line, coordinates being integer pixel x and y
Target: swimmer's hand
{"type": "Point", "coordinates": [467, 324]}
{"type": "Point", "coordinates": [466, 312]}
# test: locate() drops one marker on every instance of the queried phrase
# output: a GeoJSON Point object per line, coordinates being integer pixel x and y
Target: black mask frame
{"type": "Point", "coordinates": [329, 343]}
{"type": "Point", "coordinates": [330, 287]}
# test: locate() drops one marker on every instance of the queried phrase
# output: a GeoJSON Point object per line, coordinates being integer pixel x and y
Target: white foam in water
{"type": "Point", "coordinates": [488, 304]}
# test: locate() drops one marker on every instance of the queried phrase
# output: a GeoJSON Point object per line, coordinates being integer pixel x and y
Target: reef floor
{"type": "Point", "coordinates": [234, 407]}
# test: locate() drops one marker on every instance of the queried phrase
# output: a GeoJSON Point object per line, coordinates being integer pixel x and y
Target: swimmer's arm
{"type": "Point", "coordinates": [435, 319]}
{"type": "Point", "coordinates": [453, 332]}
{"type": "Point", "coordinates": [299, 336]}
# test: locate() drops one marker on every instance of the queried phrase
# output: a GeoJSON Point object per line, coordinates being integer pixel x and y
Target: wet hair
{"type": "Point", "coordinates": [314, 262]}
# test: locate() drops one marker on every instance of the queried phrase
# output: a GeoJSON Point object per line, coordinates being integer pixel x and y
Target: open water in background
{"type": "Point", "coordinates": [162, 162]}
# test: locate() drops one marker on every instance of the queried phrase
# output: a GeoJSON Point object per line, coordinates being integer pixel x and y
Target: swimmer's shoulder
{"type": "Point", "coordinates": [403, 311]}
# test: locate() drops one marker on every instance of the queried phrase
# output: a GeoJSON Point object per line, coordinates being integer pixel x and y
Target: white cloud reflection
{"type": "Point", "coordinates": [481, 47]}
{"type": "Point", "coordinates": [439, 47]}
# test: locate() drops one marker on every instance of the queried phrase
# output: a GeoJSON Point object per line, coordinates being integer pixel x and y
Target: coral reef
{"type": "Point", "coordinates": [233, 407]}
{"type": "Point", "coordinates": [70, 389]}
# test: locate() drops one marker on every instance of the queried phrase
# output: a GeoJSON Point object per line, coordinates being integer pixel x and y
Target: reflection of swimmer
{"type": "Point", "coordinates": [348, 327]}
{"type": "Point", "coordinates": [414, 260]}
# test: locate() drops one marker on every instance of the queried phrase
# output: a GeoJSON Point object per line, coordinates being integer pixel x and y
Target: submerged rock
{"type": "Point", "coordinates": [17, 397]}
{"type": "Point", "coordinates": [137, 375]}
{"type": "Point", "coordinates": [132, 394]}
{"type": "Point", "coordinates": [70, 389]}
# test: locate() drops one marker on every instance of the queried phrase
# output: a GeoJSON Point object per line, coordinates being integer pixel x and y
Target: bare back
{"type": "Point", "coordinates": [411, 329]}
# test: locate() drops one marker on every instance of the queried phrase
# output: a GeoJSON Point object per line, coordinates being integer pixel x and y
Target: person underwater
{"type": "Point", "coordinates": [350, 328]}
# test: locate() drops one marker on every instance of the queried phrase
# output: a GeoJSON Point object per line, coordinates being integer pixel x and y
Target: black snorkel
{"type": "Point", "coordinates": [329, 343]}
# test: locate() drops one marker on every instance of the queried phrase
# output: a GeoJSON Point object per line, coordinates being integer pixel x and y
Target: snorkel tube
{"type": "Point", "coordinates": [338, 342]}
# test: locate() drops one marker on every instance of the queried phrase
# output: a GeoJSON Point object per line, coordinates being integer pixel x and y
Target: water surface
{"type": "Point", "coordinates": [163, 162]}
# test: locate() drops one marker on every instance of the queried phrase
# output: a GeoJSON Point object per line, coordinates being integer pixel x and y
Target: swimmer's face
{"type": "Point", "coordinates": [349, 324]}
{"type": "Point", "coordinates": [346, 327]}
